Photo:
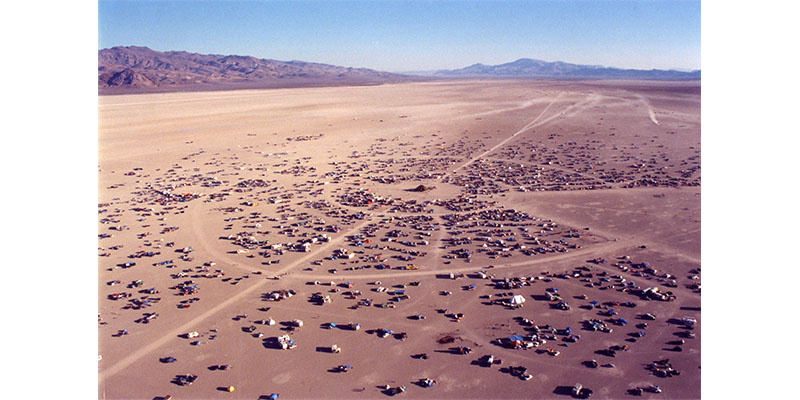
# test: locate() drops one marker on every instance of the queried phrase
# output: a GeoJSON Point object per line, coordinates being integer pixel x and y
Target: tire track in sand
{"type": "Point", "coordinates": [589, 100]}
{"type": "Point", "coordinates": [649, 109]}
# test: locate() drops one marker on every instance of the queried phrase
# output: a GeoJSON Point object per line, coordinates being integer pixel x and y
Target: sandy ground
{"type": "Point", "coordinates": [603, 177]}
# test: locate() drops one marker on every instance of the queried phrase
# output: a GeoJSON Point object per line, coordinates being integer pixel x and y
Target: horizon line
{"type": "Point", "coordinates": [406, 70]}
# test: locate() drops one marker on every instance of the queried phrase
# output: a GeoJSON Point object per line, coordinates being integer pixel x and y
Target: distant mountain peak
{"type": "Point", "coordinates": [528, 67]}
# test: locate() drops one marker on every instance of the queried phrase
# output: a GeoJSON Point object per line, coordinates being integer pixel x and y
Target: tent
{"type": "Point", "coordinates": [518, 299]}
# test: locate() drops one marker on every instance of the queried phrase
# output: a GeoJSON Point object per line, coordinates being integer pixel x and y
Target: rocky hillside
{"type": "Point", "coordinates": [140, 69]}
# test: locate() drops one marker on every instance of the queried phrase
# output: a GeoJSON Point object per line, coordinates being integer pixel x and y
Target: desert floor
{"type": "Point", "coordinates": [584, 193]}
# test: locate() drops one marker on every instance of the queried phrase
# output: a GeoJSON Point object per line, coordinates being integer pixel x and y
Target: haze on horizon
{"type": "Point", "coordinates": [399, 36]}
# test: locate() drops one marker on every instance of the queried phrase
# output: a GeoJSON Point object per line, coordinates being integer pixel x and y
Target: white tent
{"type": "Point", "coordinates": [518, 299]}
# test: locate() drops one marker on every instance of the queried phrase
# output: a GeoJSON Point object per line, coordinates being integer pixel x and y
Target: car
{"type": "Point", "coordinates": [427, 382]}
{"type": "Point", "coordinates": [654, 389]}
{"type": "Point", "coordinates": [572, 338]}
{"type": "Point", "coordinates": [609, 352]}
{"type": "Point", "coordinates": [185, 380]}
{"type": "Point", "coordinates": [382, 333]}
{"type": "Point", "coordinates": [487, 360]}
{"type": "Point", "coordinates": [397, 390]}
{"type": "Point", "coordinates": [353, 326]}
{"type": "Point", "coordinates": [344, 368]}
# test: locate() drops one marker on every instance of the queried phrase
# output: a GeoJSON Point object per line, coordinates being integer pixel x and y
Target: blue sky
{"type": "Point", "coordinates": [415, 35]}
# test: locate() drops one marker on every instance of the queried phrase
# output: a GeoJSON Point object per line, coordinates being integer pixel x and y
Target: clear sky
{"type": "Point", "coordinates": [415, 35]}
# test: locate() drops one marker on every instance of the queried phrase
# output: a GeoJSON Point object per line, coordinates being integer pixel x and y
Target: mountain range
{"type": "Point", "coordinates": [140, 69]}
{"type": "Point", "coordinates": [530, 68]}
{"type": "Point", "coordinates": [135, 69]}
